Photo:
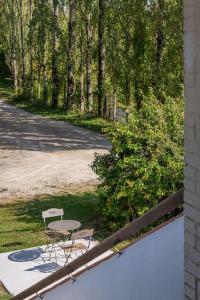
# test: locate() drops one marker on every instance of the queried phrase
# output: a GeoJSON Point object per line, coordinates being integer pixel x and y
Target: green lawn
{"type": "Point", "coordinates": [4, 296]}
{"type": "Point", "coordinates": [21, 224]}
{"type": "Point", "coordinates": [3, 293]}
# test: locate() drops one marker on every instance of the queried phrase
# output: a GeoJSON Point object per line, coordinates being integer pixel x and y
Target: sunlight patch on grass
{"type": "Point", "coordinates": [21, 224]}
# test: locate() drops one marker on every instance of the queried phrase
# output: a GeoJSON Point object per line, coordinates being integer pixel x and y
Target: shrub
{"type": "Point", "coordinates": [145, 164]}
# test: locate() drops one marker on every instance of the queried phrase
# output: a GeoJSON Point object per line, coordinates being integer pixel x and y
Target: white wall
{"type": "Point", "coordinates": [152, 269]}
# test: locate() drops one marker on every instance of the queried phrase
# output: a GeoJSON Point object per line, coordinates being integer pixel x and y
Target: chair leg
{"type": "Point", "coordinates": [47, 246]}
{"type": "Point", "coordinates": [67, 259]}
{"type": "Point", "coordinates": [55, 253]}
{"type": "Point", "coordinates": [51, 250]}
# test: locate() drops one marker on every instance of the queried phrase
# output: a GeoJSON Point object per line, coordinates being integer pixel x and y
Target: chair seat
{"type": "Point", "coordinates": [59, 233]}
{"type": "Point", "coordinates": [77, 246]}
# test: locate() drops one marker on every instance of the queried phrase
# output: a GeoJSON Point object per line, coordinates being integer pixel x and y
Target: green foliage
{"type": "Point", "coordinates": [145, 164]}
{"type": "Point", "coordinates": [143, 43]}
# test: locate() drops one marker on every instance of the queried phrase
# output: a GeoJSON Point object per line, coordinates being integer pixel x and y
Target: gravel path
{"type": "Point", "coordinates": [43, 156]}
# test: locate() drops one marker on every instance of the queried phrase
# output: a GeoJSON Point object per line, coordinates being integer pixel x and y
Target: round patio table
{"type": "Point", "coordinates": [64, 225]}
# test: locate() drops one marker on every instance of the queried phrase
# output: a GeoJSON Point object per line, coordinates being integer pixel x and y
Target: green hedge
{"type": "Point", "coordinates": [145, 164]}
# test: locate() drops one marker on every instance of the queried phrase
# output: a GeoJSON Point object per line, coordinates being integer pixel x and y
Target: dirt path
{"type": "Point", "coordinates": [43, 156]}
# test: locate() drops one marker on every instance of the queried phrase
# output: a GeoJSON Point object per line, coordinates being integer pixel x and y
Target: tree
{"type": "Point", "coordinates": [88, 28]}
{"type": "Point", "coordinates": [71, 54]}
{"type": "Point", "coordinates": [86, 53]}
{"type": "Point", "coordinates": [55, 80]}
{"type": "Point", "coordinates": [101, 65]}
{"type": "Point", "coordinates": [14, 64]}
{"type": "Point", "coordinates": [22, 43]}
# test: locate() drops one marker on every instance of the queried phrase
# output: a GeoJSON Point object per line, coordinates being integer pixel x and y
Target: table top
{"type": "Point", "coordinates": [64, 225]}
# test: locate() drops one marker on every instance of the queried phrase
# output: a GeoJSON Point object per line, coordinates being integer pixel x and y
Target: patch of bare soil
{"type": "Point", "coordinates": [39, 156]}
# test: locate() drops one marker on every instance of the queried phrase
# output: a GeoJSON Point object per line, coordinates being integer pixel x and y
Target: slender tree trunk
{"type": "Point", "coordinates": [55, 80]}
{"type": "Point", "coordinates": [89, 95]}
{"type": "Point", "coordinates": [42, 41]}
{"type": "Point", "coordinates": [160, 34]}
{"type": "Point", "coordinates": [31, 50]}
{"type": "Point", "coordinates": [128, 89]}
{"type": "Point", "coordinates": [101, 71]}
{"type": "Point", "coordinates": [22, 44]}
{"type": "Point", "coordinates": [160, 39]}
{"type": "Point", "coordinates": [127, 75]}
{"type": "Point", "coordinates": [45, 88]}
{"type": "Point", "coordinates": [70, 55]}
{"type": "Point", "coordinates": [82, 98]}
{"type": "Point", "coordinates": [139, 56]}
{"type": "Point", "coordinates": [39, 81]}
{"type": "Point", "coordinates": [13, 43]}
{"type": "Point", "coordinates": [15, 71]}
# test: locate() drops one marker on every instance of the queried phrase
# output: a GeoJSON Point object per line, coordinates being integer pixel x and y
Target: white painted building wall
{"type": "Point", "coordinates": [152, 269]}
{"type": "Point", "coordinates": [192, 149]}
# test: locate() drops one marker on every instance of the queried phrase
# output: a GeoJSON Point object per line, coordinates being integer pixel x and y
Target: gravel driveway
{"type": "Point", "coordinates": [43, 156]}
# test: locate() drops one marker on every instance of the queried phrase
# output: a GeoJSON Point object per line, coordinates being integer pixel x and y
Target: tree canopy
{"type": "Point", "coordinates": [80, 54]}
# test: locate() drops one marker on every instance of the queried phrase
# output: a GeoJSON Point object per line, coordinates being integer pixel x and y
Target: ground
{"type": "Point", "coordinates": [42, 156]}
{"type": "Point", "coordinates": [44, 163]}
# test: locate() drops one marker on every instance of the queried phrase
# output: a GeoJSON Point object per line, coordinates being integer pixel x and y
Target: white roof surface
{"type": "Point", "coordinates": [21, 269]}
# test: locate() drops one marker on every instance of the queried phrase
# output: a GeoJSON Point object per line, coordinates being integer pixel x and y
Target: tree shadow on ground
{"type": "Point", "coordinates": [24, 131]}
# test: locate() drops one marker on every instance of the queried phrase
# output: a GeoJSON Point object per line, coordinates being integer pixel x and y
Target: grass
{"type": "Point", "coordinates": [4, 295]}
{"type": "Point", "coordinates": [92, 123]}
{"type": "Point", "coordinates": [21, 224]}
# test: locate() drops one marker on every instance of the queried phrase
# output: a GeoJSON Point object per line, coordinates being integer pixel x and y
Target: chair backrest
{"type": "Point", "coordinates": [52, 212]}
{"type": "Point", "coordinates": [85, 233]}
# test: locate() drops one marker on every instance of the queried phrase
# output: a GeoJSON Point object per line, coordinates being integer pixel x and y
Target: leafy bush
{"type": "Point", "coordinates": [145, 164]}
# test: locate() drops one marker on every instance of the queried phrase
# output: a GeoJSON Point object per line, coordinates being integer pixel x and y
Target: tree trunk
{"type": "Point", "coordinates": [70, 55]}
{"type": "Point", "coordinates": [101, 71]}
{"type": "Point", "coordinates": [55, 80]}
{"type": "Point", "coordinates": [39, 81]}
{"type": "Point", "coordinates": [128, 68]}
{"type": "Point", "coordinates": [43, 4]}
{"type": "Point", "coordinates": [160, 40]}
{"type": "Point", "coordinates": [22, 44]}
{"type": "Point", "coordinates": [160, 34]}
{"type": "Point", "coordinates": [82, 99]}
{"type": "Point", "coordinates": [89, 95]}
{"type": "Point", "coordinates": [31, 50]}
{"type": "Point", "coordinates": [13, 42]}
{"type": "Point", "coordinates": [128, 89]}
{"type": "Point", "coordinates": [45, 88]}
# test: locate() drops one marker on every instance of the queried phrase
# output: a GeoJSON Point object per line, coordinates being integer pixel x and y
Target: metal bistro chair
{"type": "Point", "coordinates": [53, 235]}
{"type": "Point", "coordinates": [78, 246]}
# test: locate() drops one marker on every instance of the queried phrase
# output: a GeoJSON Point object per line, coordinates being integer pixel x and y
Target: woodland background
{"type": "Point", "coordinates": [88, 56]}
